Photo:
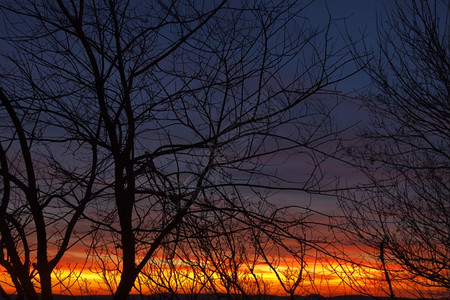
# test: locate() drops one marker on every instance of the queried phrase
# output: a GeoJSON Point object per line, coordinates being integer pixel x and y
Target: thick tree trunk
{"type": "Point", "coordinates": [31, 293]}
{"type": "Point", "coordinates": [124, 193]}
{"type": "Point", "coordinates": [125, 286]}
{"type": "Point", "coordinates": [46, 285]}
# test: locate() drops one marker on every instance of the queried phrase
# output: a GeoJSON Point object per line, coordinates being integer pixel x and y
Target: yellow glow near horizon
{"type": "Point", "coordinates": [325, 278]}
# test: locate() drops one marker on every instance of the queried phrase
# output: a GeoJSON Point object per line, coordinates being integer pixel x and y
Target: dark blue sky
{"type": "Point", "coordinates": [355, 17]}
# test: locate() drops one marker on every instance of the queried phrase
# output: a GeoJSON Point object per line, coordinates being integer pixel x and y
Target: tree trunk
{"type": "Point", "coordinates": [46, 285]}
{"type": "Point", "coordinates": [125, 286]}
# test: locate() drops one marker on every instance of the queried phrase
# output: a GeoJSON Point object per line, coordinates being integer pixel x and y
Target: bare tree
{"type": "Point", "coordinates": [172, 113]}
{"type": "Point", "coordinates": [403, 212]}
{"type": "Point", "coordinates": [39, 208]}
{"type": "Point", "coordinates": [212, 261]}
{"type": "Point", "coordinates": [290, 251]}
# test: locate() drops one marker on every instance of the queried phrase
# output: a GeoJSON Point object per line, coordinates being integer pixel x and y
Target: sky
{"type": "Point", "coordinates": [357, 18]}
{"type": "Point", "coordinates": [360, 16]}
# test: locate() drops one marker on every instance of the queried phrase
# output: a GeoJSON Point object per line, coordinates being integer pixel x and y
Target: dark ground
{"type": "Point", "coordinates": [224, 297]}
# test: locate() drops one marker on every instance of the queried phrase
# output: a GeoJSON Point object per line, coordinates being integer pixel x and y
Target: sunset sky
{"type": "Point", "coordinates": [319, 250]}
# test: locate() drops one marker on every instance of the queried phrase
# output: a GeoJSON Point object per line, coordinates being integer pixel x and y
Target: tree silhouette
{"type": "Point", "coordinates": [149, 118]}
{"type": "Point", "coordinates": [402, 212]}
{"type": "Point", "coordinates": [39, 211]}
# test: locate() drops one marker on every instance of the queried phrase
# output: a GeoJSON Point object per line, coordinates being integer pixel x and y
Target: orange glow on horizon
{"type": "Point", "coordinates": [327, 278]}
